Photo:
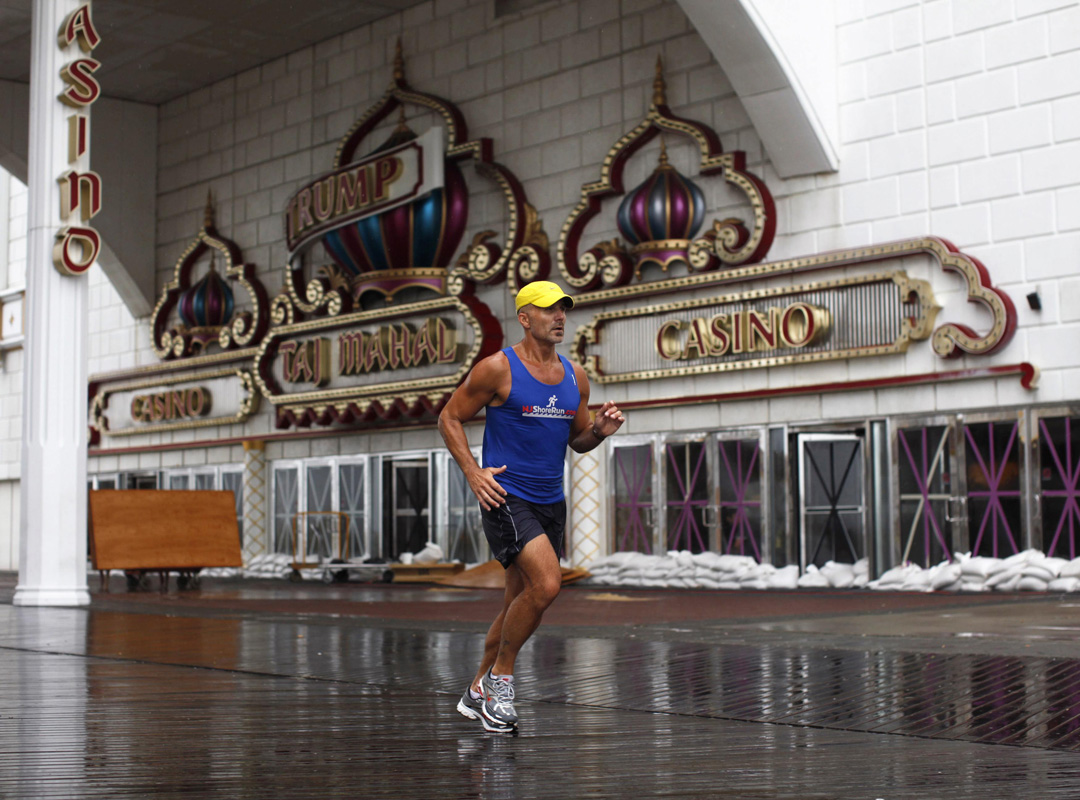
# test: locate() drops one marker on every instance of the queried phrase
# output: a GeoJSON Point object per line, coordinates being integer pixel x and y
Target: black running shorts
{"type": "Point", "coordinates": [517, 522]}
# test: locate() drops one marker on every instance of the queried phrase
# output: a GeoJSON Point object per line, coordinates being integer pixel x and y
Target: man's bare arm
{"type": "Point", "coordinates": [586, 433]}
{"type": "Point", "coordinates": [481, 386]}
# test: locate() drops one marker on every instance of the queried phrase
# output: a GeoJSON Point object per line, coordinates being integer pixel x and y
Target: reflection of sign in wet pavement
{"type": "Point", "coordinates": [641, 714]}
{"type": "Point", "coordinates": [989, 697]}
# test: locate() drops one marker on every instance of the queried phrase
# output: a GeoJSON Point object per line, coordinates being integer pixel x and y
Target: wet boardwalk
{"type": "Point", "coordinates": [275, 691]}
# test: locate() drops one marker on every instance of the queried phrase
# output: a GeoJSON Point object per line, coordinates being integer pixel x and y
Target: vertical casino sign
{"type": "Point", "coordinates": [77, 244]}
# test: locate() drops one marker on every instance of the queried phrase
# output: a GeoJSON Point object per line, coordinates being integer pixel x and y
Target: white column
{"type": "Point", "coordinates": [52, 551]}
{"type": "Point", "coordinates": [5, 220]}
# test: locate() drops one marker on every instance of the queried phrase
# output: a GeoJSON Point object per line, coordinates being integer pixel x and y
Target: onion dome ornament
{"type": "Point", "coordinates": [206, 306]}
{"type": "Point", "coordinates": [661, 217]}
{"type": "Point", "coordinates": [192, 316]}
{"type": "Point", "coordinates": [407, 246]}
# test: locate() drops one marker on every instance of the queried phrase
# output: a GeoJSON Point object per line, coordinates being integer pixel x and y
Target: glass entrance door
{"type": "Point", "coordinates": [318, 526]}
{"type": "Point", "coordinates": [696, 493]}
{"type": "Point", "coordinates": [741, 507]}
{"type": "Point", "coordinates": [688, 495]}
{"type": "Point", "coordinates": [352, 501]}
{"type": "Point", "coordinates": [832, 501]}
{"type": "Point", "coordinates": [932, 505]}
{"type": "Point", "coordinates": [993, 455]}
{"type": "Point", "coordinates": [465, 540]}
{"type": "Point", "coordinates": [406, 505]}
{"type": "Point", "coordinates": [1059, 483]}
{"type": "Point", "coordinates": [633, 471]}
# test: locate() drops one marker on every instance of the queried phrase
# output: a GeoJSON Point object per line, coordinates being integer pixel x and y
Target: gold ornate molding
{"type": "Point", "coordinates": [908, 290]}
{"type": "Point", "coordinates": [728, 243]}
{"type": "Point", "coordinates": [384, 399]}
{"type": "Point", "coordinates": [523, 255]}
{"type": "Point", "coordinates": [949, 340]}
{"type": "Point", "coordinates": [100, 403]}
{"type": "Point", "coordinates": [244, 329]}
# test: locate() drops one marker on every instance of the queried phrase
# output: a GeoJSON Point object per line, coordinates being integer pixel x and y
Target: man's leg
{"type": "Point", "coordinates": [537, 569]}
{"type": "Point", "coordinates": [514, 587]}
{"type": "Point", "coordinates": [533, 581]}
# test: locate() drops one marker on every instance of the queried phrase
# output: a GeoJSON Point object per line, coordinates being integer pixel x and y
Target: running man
{"type": "Point", "coordinates": [537, 403]}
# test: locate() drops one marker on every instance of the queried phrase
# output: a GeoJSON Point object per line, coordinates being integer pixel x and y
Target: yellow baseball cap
{"type": "Point", "coordinates": [542, 294]}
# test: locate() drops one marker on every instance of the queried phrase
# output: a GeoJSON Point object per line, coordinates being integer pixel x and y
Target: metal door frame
{"type": "Point", "coordinates": [956, 505]}
{"type": "Point", "coordinates": [660, 499]}
{"type": "Point", "coordinates": [845, 433]}
{"type": "Point", "coordinates": [191, 472]}
{"type": "Point", "coordinates": [95, 480]}
{"type": "Point", "coordinates": [334, 462]}
{"type": "Point", "coordinates": [1033, 488]}
{"type": "Point", "coordinates": [652, 440]}
{"type": "Point", "coordinates": [761, 434]}
{"type": "Point", "coordinates": [428, 456]}
{"type": "Point", "coordinates": [275, 467]}
{"type": "Point", "coordinates": [366, 524]}
{"type": "Point", "coordinates": [781, 493]}
{"type": "Point", "coordinates": [440, 514]}
{"type": "Point", "coordinates": [1022, 417]}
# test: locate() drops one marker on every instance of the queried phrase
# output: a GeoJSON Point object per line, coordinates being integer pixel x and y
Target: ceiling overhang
{"type": "Point", "coordinates": [153, 51]}
{"type": "Point", "coordinates": [781, 60]}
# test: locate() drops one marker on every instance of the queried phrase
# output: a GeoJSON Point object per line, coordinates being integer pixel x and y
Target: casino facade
{"type": "Point", "coordinates": [824, 259]}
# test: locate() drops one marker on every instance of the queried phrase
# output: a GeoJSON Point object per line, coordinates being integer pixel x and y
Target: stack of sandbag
{"type": "Point", "coordinates": [913, 578]}
{"type": "Point", "coordinates": [269, 565]}
{"type": "Point", "coordinates": [1068, 579]}
{"type": "Point", "coordinates": [836, 575]}
{"type": "Point", "coordinates": [1027, 571]}
{"type": "Point", "coordinates": [630, 569]}
{"type": "Point", "coordinates": [784, 578]}
{"type": "Point", "coordinates": [813, 579]}
{"type": "Point", "coordinates": [221, 572]}
{"type": "Point", "coordinates": [684, 570]}
{"type": "Point", "coordinates": [731, 572]}
{"type": "Point", "coordinates": [604, 571]}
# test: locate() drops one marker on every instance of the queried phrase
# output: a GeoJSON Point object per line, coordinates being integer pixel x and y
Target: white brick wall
{"type": "Point", "coordinates": [959, 118]}
{"type": "Point", "coordinates": [1000, 118]}
{"type": "Point", "coordinates": [11, 375]}
{"type": "Point", "coordinates": [15, 227]}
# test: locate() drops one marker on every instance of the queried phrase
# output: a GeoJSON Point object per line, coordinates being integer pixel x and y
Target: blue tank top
{"type": "Point", "coordinates": [530, 431]}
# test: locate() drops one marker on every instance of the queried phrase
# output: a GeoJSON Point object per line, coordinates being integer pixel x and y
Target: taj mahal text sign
{"type": "Point", "coordinates": [343, 366]}
{"type": "Point", "coordinates": [358, 352]}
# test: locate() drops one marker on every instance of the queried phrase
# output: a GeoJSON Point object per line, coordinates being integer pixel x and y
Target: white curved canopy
{"type": "Point", "coordinates": [780, 57]}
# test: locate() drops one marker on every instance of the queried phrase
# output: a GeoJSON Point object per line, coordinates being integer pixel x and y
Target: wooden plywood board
{"type": "Point", "coordinates": [155, 529]}
{"type": "Point", "coordinates": [491, 575]}
{"type": "Point", "coordinates": [424, 573]}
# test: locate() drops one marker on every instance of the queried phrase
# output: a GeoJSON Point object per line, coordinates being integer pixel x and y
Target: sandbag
{"type": "Point", "coordinates": [1063, 585]}
{"type": "Point", "coordinates": [785, 578]}
{"type": "Point", "coordinates": [1029, 584]}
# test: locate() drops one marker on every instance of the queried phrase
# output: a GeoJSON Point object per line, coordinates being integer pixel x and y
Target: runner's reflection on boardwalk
{"type": "Point", "coordinates": [183, 701]}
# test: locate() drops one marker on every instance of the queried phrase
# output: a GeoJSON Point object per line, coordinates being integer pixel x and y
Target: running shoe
{"type": "Point", "coordinates": [469, 706]}
{"type": "Point", "coordinates": [497, 710]}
